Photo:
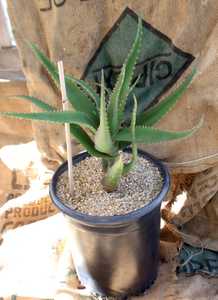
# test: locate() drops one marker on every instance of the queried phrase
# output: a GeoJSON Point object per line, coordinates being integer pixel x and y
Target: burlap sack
{"type": "Point", "coordinates": [201, 230]}
{"type": "Point", "coordinates": [13, 181]}
{"type": "Point", "coordinates": [74, 31]}
{"type": "Point", "coordinates": [15, 297]}
{"type": "Point", "coordinates": [32, 206]}
{"type": "Point", "coordinates": [24, 196]}
{"type": "Point", "coordinates": [13, 131]}
{"type": "Point", "coordinates": [79, 32]}
{"type": "Point", "coordinates": [29, 258]}
{"type": "Point", "coordinates": [168, 286]}
{"type": "Point", "coordinates": [193, 207]}
{"type": "Point", "coordinates": [193, 260]}
{"type": "Point", "coordinates": [35, 261]}
{"type": "Point", "coordinates": [21, 168]}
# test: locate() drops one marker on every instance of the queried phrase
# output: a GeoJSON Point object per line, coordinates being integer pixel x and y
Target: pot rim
{"type": "Point", "coordinates": [110, 220]}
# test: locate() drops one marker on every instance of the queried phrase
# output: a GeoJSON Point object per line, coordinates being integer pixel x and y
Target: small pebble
{"type": "Point", "coordinates": [135, 190]}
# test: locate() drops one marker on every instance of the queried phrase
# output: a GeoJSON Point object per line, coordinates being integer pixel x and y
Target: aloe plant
{"type": "Point", "coordinates": [99, 123]}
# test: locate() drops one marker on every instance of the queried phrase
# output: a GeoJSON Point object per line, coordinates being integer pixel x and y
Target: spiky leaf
{"type": "Point", "coordinates": [87, 89]}
{"type": "Point", "coordinates": [103, 140]}
{"type": "Point", "coordinates": [71, 117]}
{"type": "Point", "coordinates": [134, 84]}
{"type": "Point", "coordinates": [77, 98]}
{"type": "Point", "coordinates": [153, 115]}
{"type": "Point", "coordinates": [113, 175]}
{"type": "Point", "coordinates": [123, 86]}
{"type": "Point", "coordinates": [48, 65]}
{"type": "Point", "coordinates": [129, 166]}
{"type": "Point", "coordinates": [130, 68]}
{"type": "Point", "coordinates": [83, 138]}
{"type": "Point", "coordinates": [150, 135]}
{"type": "Point", "coordinates": [37, 102]}
{"type": "Point", "coordinates": [113, 108]}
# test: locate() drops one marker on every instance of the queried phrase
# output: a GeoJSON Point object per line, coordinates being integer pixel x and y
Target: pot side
{"type": "Point", "coordinates": [115, 255]}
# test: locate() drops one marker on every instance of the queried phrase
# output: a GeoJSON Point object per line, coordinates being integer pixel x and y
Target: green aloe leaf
{"type": "Point", "coordinates": [87, 89]}
{"type": "Point", "coordinates": [134, 84]}
{"type": "Point", "coordinates": [71, 117]}
{"type": "Point", "coordinates": [112, 177]}
{"type": "Point", "coordinates": [113, 108]}
{"type": "Point", "coordinates": [80, 101]}
{"type": "Point", "coordinates": [103, 140]}
{"type": "Point", "coordinates": [39, 103]}
{"type": "Point", "coordinates": [123, 86]}
{"type": "Point", "coordinates": [77, 98]}
{"type": "Point", "coordinates": [129, 66]}
{"type": "Point", "coordinates": [130, 165]}
{"type": "Point", "coordinates": [150, 135]}
{"type": "Point", "coordinates": [48, 65]}
{"type": "Point", "coordinates": [83, 138]}
{"type": "Point", "coordinates": [153, 115]}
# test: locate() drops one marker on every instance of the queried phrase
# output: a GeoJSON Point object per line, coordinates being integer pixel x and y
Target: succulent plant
{"type": "Point", "coordinates": [100, 123]}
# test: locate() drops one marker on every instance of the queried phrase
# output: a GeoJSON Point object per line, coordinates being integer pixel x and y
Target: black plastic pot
{"type": "Point", "coordinates": [116, 255]}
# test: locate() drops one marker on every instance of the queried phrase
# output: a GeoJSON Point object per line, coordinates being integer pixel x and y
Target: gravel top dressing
{"type": "Point", "coordinates": [135, 190]}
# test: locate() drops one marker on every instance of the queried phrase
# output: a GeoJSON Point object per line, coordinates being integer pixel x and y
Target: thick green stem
{"type": "Point", "coordinates": [129, 166]}
{"type": "Point", "coordinates": [107, 163]}
{"type": "Point", "coordinates": [104, 164]}
{"type": "Point", "coordinates": [113, 175]}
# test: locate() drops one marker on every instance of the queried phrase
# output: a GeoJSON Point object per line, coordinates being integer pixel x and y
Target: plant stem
{"type": "Point", "coordinates": [113, 175]}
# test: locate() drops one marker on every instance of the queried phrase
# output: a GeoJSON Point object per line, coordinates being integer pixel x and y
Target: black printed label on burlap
{"type": "Point", "coordinates": [46, 5]}
{"type": "Point", "coordinates": [159, 66]}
